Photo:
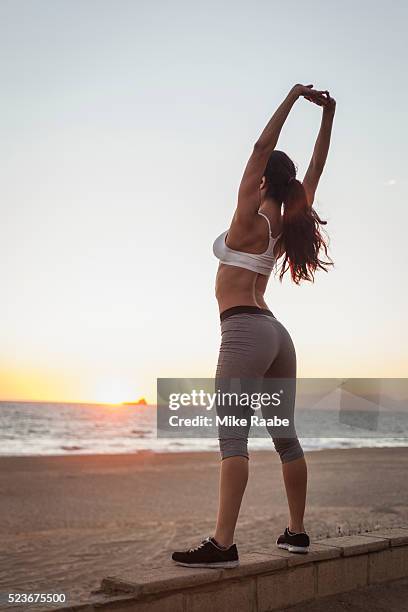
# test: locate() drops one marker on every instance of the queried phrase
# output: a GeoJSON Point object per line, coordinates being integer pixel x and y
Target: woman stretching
{"type": "Point", "coordinates": [273, 221]}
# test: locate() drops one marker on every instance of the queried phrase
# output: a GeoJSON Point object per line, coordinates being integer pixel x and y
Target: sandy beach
{"type": "Point", "coordinates": [68, 521]}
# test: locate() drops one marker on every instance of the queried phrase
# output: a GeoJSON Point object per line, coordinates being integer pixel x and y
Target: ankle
{"type": "Point", "coordinates": [222, 541]}
{"type": "Point", "coordinates": [296, 527]}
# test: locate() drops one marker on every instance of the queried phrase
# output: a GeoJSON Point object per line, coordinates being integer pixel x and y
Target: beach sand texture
{"type": "Point", "coordinates": [68, 521]}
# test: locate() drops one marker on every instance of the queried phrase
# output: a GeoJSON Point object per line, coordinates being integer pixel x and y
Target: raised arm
{"type": "Point", "coordinates": [248, 193]}
{"type": "Point", "coordinates": [320, 150]}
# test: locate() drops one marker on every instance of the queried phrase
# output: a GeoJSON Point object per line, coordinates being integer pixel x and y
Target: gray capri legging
{"type": "Point", "coordinates": [255, 347]}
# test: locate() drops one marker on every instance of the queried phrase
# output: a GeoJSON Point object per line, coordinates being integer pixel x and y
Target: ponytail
{"type": "Point", "coordinates": [301, 239]}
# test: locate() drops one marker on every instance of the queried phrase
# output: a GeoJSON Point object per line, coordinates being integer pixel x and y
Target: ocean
{"type": "Point", "coordinates": [40, 428]}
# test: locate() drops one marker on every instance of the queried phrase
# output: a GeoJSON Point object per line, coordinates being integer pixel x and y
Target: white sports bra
{"type": "Point", "coordinates": [262, 263]}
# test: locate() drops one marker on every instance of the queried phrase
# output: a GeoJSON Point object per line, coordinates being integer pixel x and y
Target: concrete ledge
{"type": "Point", "coordinates": [358, 544]}
{"type": "Point", "coordinates": [395, 537]}
{"type": "Point", "coordinates": [263, 582]}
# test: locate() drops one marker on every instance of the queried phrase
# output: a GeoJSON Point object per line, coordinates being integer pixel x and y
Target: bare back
{"type": "Point", "coordinates": [237, 286]}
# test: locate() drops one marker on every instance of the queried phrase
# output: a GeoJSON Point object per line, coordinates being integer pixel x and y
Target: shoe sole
{"type": "Point", "coordinates": [294, 549]}
{"type": "Point", "coordinates": [222, 564]}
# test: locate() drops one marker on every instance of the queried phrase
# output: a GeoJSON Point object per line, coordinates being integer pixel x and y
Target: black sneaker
{"type": "Point", "coordinates": [208, 554]}
{"type": "Point", "coordinates": [294, 542]}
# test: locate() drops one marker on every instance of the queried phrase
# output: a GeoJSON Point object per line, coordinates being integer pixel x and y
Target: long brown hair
{"type": "Point", "coordinates": [302, 239]}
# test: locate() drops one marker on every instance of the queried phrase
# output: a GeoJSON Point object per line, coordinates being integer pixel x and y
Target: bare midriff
{"type": "Point", "coordinates": [236, 286]}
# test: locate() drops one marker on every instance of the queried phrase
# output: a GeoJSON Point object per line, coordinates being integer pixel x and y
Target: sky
{"type": "Point", "coordinates": [125, 130]}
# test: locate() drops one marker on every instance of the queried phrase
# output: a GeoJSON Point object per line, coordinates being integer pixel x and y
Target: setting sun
{"type": "Point", "coordinates": [114, 392]}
